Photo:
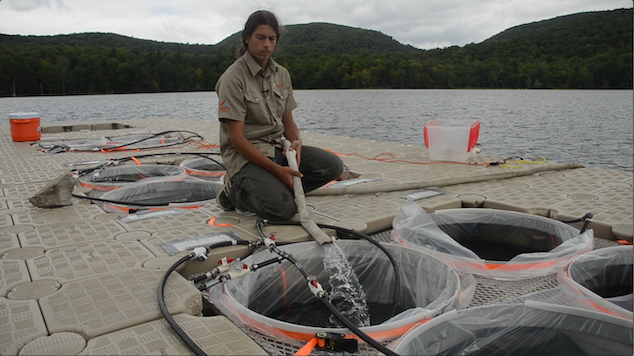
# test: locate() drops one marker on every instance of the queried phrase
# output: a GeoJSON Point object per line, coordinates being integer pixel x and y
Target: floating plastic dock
{"type": "Point", "coordinates": [78, 280]}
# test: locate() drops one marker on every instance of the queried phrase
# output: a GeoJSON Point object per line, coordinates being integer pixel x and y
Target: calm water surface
{"type": "Point", "coordinates": [591, 127]}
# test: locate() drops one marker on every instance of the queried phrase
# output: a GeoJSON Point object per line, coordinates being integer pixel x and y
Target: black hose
{"type": "Point", "coordinates": [284, 254]}
{"type": "Point", "coordinates": [365, 337]}
{"type": "Point", "coordinates": [116, 148]}
{"type": "Point", "coordinates": [251, 250]}
{"type": "Point", "coordinates": [119, 202]}
{"type": "Point", "coordinates": [161, 300]}
{"type": "Point", "coordinates": [216, 162]}
{"type": "Point", "coordinates": [397, 275]}
{"type": "Point", "coordinates": [258, 227]}
{"type": "Point", "coordinates": [588, 215]}
{"type": "Point", "coordinates": [125, 159]}
{"type": "Point", "coordinates": [585, 219]}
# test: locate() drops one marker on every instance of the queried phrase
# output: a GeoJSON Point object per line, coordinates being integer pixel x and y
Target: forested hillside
{"type": "Point", "coordinates": [586, 50]}
{"type": "Point", "coordinates": [325, 38]}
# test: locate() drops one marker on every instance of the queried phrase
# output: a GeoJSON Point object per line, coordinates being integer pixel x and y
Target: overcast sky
{"type": "Point", "coordinates": [421, 23]}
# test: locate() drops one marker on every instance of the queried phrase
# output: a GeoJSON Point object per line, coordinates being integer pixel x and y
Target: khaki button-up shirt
{"type": "Point", "coordinates": [259, 98]}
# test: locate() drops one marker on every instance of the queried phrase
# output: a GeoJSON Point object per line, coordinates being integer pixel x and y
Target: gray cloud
{"type": "Point", "coordinates": [423, 24]}
{"type": "Point", "coordinates": [28, 5]}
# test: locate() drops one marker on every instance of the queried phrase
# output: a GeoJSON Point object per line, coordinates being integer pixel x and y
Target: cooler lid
{"type": "Point", "coordinates": [24, 115]}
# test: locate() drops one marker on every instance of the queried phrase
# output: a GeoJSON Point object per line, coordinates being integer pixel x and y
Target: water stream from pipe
{"type": "Point", "coordinates": [346, 293]}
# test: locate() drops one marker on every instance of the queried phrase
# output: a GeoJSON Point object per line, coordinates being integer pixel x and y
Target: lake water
{"type": "Point", "coordinates": [591, 127]}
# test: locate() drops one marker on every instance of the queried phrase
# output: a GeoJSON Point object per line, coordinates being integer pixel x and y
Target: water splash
{"type": "Point", "coordinates": [346, 293]}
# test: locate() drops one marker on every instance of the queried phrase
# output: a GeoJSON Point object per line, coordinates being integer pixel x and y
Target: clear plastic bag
{"type": "Point", "coordinates": [117, 177]}
{"type": "Point", "coordinates": [529, 246]}
{"type": "Point", "coordinates": [205, 168]}
{"type": "Point", "coordinates": [605, 273]}
{"type": "Point", "coordinates": [524, 328]}
{"type": "Point", "coordinates": [187, 193]}
{"type": "Point", "coordinates": [428, 287]}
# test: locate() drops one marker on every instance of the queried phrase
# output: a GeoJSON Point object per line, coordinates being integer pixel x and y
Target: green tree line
{"type": "Point", "coordinates": [588, 50]}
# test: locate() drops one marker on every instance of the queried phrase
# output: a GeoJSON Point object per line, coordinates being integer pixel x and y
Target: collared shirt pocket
{"type": "Point", "coordinates": [281, 94]}
{"type": "Point", "coordinates": [256, 110]}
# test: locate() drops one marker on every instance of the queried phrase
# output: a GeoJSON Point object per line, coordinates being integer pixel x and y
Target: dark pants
{"type": "Point", "coordinates": [259, 191]}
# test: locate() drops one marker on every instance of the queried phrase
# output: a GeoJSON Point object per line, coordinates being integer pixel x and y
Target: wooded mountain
{"type": "Point", "coordinates": [325, 38]}
{"type": "Point", "coordinates": [585, 50]}
{"type": "Point", "coordinates": [296, 40]}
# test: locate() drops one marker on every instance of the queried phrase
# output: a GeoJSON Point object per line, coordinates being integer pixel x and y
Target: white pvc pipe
{"type": "Point", "coordinates": [300, 199]}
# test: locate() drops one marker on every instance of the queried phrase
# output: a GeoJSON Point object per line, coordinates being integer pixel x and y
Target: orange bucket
{"type": "Point", "coordinates": [25, 126]}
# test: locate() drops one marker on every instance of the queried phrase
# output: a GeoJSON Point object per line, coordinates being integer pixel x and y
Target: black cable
{"type": "Point", "coordinates": [284, 254]}
{"type": "Point", "coordinates": [586, 219]}
{"type": "Point", "coordinates": [397, 275]}
{"type": "Point", "coordinates": [216, 162]}
{"type": "Point", "coordinates": [251, 250]}
{"type": "Point", "coordinates": [120, 148]}
{"type": "Point", "coordinates": [153, 136]}
{"type": "Point", "coordinates": [119, 202]}
{"type": "Point", "coordinates": [256, 266]}
{"type": "Point", "coordinates": [258, 227]}
{"type": "Point", "coordinates": [125, 159]}
{"type": "Point", "coordinates": [161, 300]}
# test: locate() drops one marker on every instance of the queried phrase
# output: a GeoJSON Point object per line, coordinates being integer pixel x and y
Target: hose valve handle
{"type": "Point", "coordinates": [269, 243]}
{"type": "Point", "coordinates": [315, 287]}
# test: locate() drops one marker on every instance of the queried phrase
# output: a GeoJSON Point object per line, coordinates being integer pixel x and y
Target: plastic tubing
{"type": "Point", "coordinates": [170, 320]}
{"type": "Point", "coordinates": [300, 199]}
{"type": "Point", "coordinates": [161, 298]}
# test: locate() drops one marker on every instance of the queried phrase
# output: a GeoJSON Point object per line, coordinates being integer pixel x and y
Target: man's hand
{"type": "Point", "coordinates": [286, 174]}
{"type": "Point", "coordinates": [296, 146]}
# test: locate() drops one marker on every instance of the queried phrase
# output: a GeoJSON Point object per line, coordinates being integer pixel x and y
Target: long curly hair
{"type": "Point", "coordinates": [260, 17]}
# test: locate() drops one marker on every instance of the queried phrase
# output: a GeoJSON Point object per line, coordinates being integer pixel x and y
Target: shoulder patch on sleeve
{"type": "Point", "coordinates": [224, 107]}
